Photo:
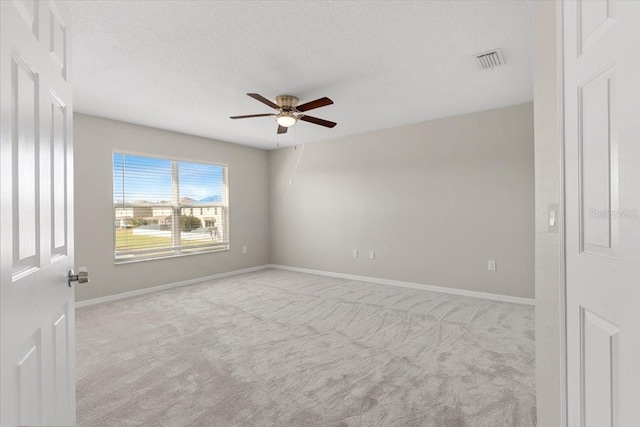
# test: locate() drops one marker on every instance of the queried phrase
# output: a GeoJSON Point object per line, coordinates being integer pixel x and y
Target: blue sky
{"type": "Point", "coordinates": [149, 179]}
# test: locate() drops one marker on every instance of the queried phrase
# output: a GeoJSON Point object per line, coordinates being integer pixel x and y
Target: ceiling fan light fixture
{"type": "Point", "coordinates": [286, 119]}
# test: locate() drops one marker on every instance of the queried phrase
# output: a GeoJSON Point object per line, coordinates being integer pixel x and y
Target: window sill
{"type": "Point", "coordinates": [134, 259]}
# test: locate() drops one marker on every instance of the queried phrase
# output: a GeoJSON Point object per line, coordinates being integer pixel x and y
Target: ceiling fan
{"type": "Point", "coordinates": [289, 112]}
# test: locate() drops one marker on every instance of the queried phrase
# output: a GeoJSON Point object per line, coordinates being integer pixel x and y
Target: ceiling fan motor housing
{"type": "Point", "coordinates": [287, 102]}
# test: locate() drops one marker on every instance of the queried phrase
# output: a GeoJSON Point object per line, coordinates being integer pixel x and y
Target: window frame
{"type": "Point", "coordinates": [180, 251]}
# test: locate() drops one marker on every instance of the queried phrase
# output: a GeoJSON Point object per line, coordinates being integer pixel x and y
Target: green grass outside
{"type": "Point", "coordinates": [126, 240]}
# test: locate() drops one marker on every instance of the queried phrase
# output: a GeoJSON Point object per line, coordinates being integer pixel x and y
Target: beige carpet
{"type": "Point", "coordinates": [277, 348]}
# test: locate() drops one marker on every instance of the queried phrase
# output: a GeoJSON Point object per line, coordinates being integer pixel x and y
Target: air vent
{"type": "Point", "coordinates": [490, 59]}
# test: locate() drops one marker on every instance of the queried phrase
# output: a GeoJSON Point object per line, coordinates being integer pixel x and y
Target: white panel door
{"type": "Point", "coordinates": [601, 41]}
{"type": "Point", "coordinates": [36, 219]}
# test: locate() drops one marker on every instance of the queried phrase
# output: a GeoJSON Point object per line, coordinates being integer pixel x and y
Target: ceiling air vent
{"type": "Point", "coordinates": [490, 59]}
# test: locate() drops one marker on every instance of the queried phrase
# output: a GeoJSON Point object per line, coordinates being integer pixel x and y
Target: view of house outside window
{"type": "Point", "coordinates": [164, 207]}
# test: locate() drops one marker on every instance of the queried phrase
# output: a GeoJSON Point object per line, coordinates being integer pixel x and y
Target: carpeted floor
{"type": "Point", "coordinates": [278, 348]}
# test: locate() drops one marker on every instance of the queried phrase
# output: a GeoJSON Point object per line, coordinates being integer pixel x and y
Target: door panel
{"type": "Point", "coordinates": [28, 10]}
{"type": "Point", "coordinates": [58, 40]}
{"type": "Point", "coordinates": [29, 381]}
{"type": "Point", "coordinates": [37, 359]}
{"type": "Point", "coordinates": [595, 18]}
{"type": "Point", "coordinates": [58, 163]}
{"type": "Point", "coordinates": [599, 363]}
{"type": "Point", "coordinates": [61, 366]}
{"type": "Point", "coordinates": [598, 160]}
{"type": "Point", "coordinates": [24, 87]}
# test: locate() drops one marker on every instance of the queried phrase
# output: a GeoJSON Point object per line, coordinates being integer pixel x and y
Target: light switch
{"type": "Point", "coordinates": [491, 265]}
{"type": "Point", "coordinates": [355, 253]}
{"type": "Point", "coordinates": [552, 218]}
{"type": "Point", "coordinates": [372, 254]}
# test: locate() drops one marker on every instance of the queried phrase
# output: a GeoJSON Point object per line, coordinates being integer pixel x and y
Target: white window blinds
{"type": "Point", "coordinates": [164, 207]}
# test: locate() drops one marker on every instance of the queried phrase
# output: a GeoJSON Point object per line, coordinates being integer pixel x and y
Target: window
{"type": "Point", "coordinates": [167, 208]}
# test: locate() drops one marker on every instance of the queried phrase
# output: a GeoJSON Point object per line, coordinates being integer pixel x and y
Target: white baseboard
{"type": "Point", "coordinates": [137, 292]}
{"type": "Point", "coordinates": [453, 291]}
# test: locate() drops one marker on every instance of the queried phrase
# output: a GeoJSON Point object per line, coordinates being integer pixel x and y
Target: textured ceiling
{"type": "Point", "coordinates": [186, 66]}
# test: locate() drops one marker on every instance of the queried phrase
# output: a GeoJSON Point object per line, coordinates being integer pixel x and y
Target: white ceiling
{"type": "Point", "coordinates": [187, 66]}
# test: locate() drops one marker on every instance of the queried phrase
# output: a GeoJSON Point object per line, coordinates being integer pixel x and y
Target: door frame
{"type": "Point", "coordinates": [562, 294]}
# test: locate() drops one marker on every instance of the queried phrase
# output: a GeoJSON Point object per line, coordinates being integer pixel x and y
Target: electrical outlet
{"type": "Point", "coordinates": [491, 265]}
{"type": "Point", "coordinates": [372, 254]}
{"type": "Point", "coordinates": [355, 253]}
{"type": "Point", "coordinates": [244, 249]}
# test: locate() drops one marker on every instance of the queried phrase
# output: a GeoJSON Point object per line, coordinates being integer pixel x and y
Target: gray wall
{"type": "Point", "coordinates": [547, 182]}
{"type": "Point", "coordinates": [435, 200]}
{"type": "Point", "coordinates": [95, 139]}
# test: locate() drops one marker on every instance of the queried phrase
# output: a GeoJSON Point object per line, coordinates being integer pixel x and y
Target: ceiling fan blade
{"type": "Point", "coordinates": [321, 102]}
{"type": "Point", "coordinates": [282, 129]}
{"type": "Point", "coordinates": [264, 100]}
{"type": "Point", "coordinates": [251, 115]}
{"type": "Point", "coordinates": [317, 121]}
